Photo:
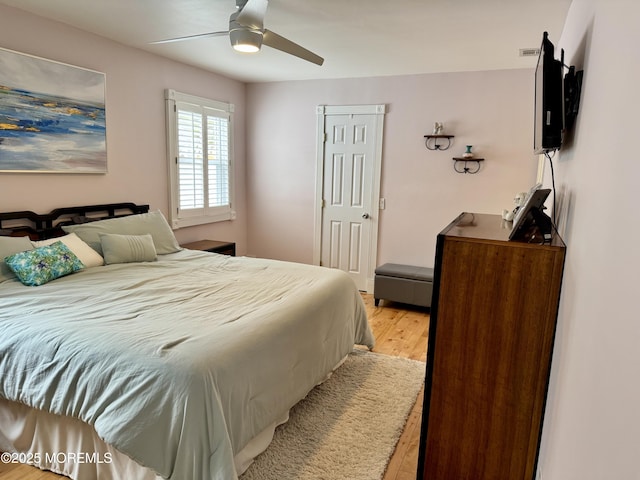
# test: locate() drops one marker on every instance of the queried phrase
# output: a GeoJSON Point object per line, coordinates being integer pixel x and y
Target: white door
{"type": "Point", "coordinates": [350, 190]}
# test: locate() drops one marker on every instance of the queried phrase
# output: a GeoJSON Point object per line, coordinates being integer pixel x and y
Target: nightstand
{"type": "Point", "coordinates": [214, 246]}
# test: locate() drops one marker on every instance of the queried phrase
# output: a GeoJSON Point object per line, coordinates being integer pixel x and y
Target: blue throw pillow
{"type": "Point", "coordinates": [43, 264]}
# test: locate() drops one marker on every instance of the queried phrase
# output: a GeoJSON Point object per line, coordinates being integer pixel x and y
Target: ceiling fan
{"type": "Point", "coordinates": [247, 33]}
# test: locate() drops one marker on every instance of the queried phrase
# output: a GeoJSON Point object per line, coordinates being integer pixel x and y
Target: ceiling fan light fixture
{"type": "Point", "coordinates": [247, 33]}
{"type": "Point", "coordinates": [246, 40]}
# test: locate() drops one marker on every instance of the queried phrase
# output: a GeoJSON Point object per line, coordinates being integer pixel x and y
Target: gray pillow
{"type": "Point", "coordinates": [127, 248]}
{"type": "Point", "coordinates": [152, 223]}
{"type": "Point", "coordinates": [9, 246]}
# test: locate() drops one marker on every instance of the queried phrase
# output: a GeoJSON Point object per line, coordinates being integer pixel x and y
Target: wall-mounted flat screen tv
{"type": "Point", "coordinates": [549, 100]}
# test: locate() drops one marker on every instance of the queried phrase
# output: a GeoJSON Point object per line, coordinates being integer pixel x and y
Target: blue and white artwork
{"type": "Point", "coordinates": [52, 116]}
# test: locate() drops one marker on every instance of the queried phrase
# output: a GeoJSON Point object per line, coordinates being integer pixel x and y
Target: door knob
{"type": "Point", "coordinates": [365, 215]}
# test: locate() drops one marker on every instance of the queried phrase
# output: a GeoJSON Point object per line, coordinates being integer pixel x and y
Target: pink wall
{"type": "Point", "coordinates": [493, 111]}
{"type": "Point", "coordinates": [592, 424]}
{"type": "Point", "coordinates": [136, 143]}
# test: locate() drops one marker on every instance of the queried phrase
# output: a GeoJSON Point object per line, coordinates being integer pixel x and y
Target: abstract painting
{"type": "Point", "coordinates": [52, 116]}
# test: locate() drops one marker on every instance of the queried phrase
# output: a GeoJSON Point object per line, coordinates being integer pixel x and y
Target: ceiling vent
{"type": "Point", "coordinates": [529, 52]}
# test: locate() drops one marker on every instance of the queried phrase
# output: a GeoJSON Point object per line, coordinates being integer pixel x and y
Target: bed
{"type": "Point", "coordinates": [163, 362]}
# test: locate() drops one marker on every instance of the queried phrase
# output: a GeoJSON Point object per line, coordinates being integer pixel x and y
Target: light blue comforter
{"type": "Point", "coordinates": [178, 363]}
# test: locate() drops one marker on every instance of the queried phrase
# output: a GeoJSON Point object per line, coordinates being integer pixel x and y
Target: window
{"type": "Point", "coordinates": [200, 159]}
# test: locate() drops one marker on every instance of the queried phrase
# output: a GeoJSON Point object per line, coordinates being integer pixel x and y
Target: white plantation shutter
{"type": "Point", "coordinates": [190, 160]}
{"type": "Point", "coordinates": [218, 160]}
{"type": "Point", "coordinates": [200, 160]}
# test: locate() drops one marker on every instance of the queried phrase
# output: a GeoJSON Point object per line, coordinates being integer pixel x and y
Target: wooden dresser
{"type": "Point", "coordinates": [493, 320]}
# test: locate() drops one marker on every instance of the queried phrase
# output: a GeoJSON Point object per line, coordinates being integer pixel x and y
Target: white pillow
{"type": "Point", "coordinates": [87, 255]}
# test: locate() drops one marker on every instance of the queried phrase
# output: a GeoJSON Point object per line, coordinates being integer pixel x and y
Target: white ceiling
{"type": "Point", "coordinates": [357, 38]}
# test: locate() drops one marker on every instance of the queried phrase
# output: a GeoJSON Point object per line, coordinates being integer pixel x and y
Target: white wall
{"type": "Point", "coordinates": [592, 424]}
{"type": "Point", "coordinates": [136, 145]}
{"type": "Point", "coordinates": [493, 111]}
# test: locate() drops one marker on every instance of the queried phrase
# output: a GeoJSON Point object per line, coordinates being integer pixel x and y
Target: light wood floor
{"type": "Point", "coordinates": [400, 331]}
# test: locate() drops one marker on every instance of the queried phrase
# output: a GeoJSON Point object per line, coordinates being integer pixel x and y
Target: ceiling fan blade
{"type": "Point", "coordinates": [190, 37]}
{"type": "Point", "coordinates": [252, 13]}
{"type": "Point", "coordinates": [278, 42]}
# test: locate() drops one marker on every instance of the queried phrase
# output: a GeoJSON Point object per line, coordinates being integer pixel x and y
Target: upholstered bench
{"type": "Point", "coordinates": [403, 284]}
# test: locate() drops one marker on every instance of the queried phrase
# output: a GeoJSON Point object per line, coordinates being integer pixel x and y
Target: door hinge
{"type": "Point", "coordinates": [323, 203]}
{"type": "Point", "coordinates": [324, 137]}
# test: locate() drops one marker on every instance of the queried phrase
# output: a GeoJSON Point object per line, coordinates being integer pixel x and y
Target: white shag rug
{"type": "Point", "coordinates": [346, 428]}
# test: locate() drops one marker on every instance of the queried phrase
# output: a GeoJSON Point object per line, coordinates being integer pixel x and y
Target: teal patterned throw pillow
{"type": "Point", "coordinates": [43, 264]}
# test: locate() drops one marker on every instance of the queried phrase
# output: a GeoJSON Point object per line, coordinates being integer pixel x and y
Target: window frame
{"type": "Point", "coordinates": [180, 218]}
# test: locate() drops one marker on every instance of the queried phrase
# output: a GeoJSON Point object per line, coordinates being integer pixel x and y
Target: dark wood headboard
{"type": "Point", "coordinates": [43, 226]}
